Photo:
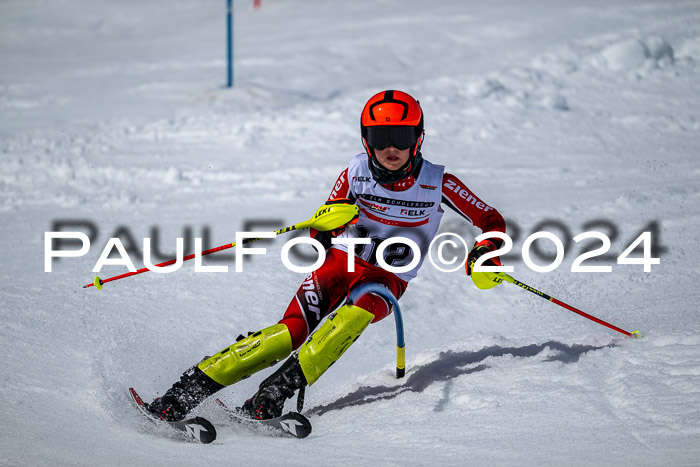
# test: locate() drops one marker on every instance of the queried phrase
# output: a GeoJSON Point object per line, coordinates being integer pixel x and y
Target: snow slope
{"type": "Point", "coordinates": [583, 113]}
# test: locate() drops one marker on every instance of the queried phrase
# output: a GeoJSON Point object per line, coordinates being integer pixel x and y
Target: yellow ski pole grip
{"type": "Point", "coordinates": [330, 217]}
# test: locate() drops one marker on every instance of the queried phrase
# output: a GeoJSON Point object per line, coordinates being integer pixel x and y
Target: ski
{"type": "Point", "coordinates": [291, 423]}
{"type": "Point", "coordinates": [197, 428]}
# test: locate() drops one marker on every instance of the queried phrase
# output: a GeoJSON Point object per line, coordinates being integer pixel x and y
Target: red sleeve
{"type": "Point", "coordinates": [341, 189]}
{"type": "Point", "coordinates": [457, 196]}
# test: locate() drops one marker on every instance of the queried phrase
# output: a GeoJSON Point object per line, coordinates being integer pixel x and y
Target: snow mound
{"type": "Point", "coordinates": [518, 88]}
{"type": "Point", "coordinates": [633, 54]}
{"type": "Point", "coordinates": [174, 175]}
{"type": "Point", "coordinates": [690, 49]}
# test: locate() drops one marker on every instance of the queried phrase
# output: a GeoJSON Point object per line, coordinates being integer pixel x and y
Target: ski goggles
{"type": "Point", "coordinates": [401, 137]}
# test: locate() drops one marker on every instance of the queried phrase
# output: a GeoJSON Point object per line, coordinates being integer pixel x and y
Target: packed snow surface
{"type": "Point", "coordinates": [566, 116]}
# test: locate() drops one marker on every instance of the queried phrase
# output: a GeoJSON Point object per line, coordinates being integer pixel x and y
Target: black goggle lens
{"type": "Point", "coordinates": [401, 137]}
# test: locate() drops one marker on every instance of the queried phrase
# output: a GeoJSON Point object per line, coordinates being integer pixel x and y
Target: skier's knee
{"type": "Point", "coordinates": [376, 305]}
{"type": "Point", "coordinates": [298, 329]}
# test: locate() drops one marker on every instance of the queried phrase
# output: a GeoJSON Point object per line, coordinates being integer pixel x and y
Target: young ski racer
{"type": "Point", "coordinates": [399, 194]}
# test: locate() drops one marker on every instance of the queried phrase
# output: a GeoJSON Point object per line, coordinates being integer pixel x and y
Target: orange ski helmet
{"type": "Point", "coordinates": [392, 117]}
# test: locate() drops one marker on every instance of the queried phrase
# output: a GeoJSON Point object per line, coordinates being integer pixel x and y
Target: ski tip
{"type": "Point", "coordinates": [135, 396]}
{"type": "Point", "coordinates": [218, 401]}
{"type": "Point", "coordinates": [637, 334]}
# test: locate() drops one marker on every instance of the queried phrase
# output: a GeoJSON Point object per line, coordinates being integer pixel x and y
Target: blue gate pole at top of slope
{"type": "Point", "coordinates": [229, 42]}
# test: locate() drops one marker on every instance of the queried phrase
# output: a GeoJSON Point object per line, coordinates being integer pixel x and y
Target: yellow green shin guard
{"type": "Point", "coordinates": [249, 355]}
{"type": "Point", "coordinates": [331, 340]}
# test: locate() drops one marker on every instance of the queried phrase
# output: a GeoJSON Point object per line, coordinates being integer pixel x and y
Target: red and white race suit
{"type": "Point", "coordinates": [410, 208]}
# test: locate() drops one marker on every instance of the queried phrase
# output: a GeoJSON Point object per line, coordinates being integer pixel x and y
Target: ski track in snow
{"type": "Point", "coordinates": [114, 113]}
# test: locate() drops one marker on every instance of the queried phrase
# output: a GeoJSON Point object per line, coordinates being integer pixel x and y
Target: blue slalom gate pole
{"type": "Point", "coordinates": [229, 42]}
{"type": "Point", "coordinates": [382, 291]}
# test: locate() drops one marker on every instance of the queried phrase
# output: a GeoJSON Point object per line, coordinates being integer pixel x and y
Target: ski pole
{"type": "Point", "coordinates": [382, 291]}
{"type": "Point", "coordinates": [507, 278]}
{"type": "Point", "coordinates": [327, 217]}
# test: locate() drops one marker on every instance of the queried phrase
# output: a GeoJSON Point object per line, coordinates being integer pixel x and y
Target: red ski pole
{"type": "Point", "coordinates": [510, 279]}
{"type": "Point", "coordinates": [99, 282]}
{"type": "Point", "coordinates": [330, 216]}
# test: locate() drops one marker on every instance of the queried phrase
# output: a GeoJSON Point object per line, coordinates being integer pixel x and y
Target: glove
{"type": "Point", "coordinates": [480, 249]}
{"type": "Point", "coordinates": [343, 201]}
{"type": "Point", "coordinates": [326, 237]}
{"type": "Point", "coordinates": [339, 230]}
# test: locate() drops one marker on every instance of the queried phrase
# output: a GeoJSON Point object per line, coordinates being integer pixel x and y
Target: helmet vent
{"type": "Point", "coordinates": [388, 99]}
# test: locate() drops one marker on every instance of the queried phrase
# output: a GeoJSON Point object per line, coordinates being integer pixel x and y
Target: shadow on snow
{"type": "Point", "coordinates": [449, 365]}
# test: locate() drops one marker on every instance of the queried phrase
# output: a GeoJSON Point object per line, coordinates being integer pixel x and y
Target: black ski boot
{"type": "Point", "coordinates": [194, 386]}
{"type": "Point", "coordinates": [269, 401]}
